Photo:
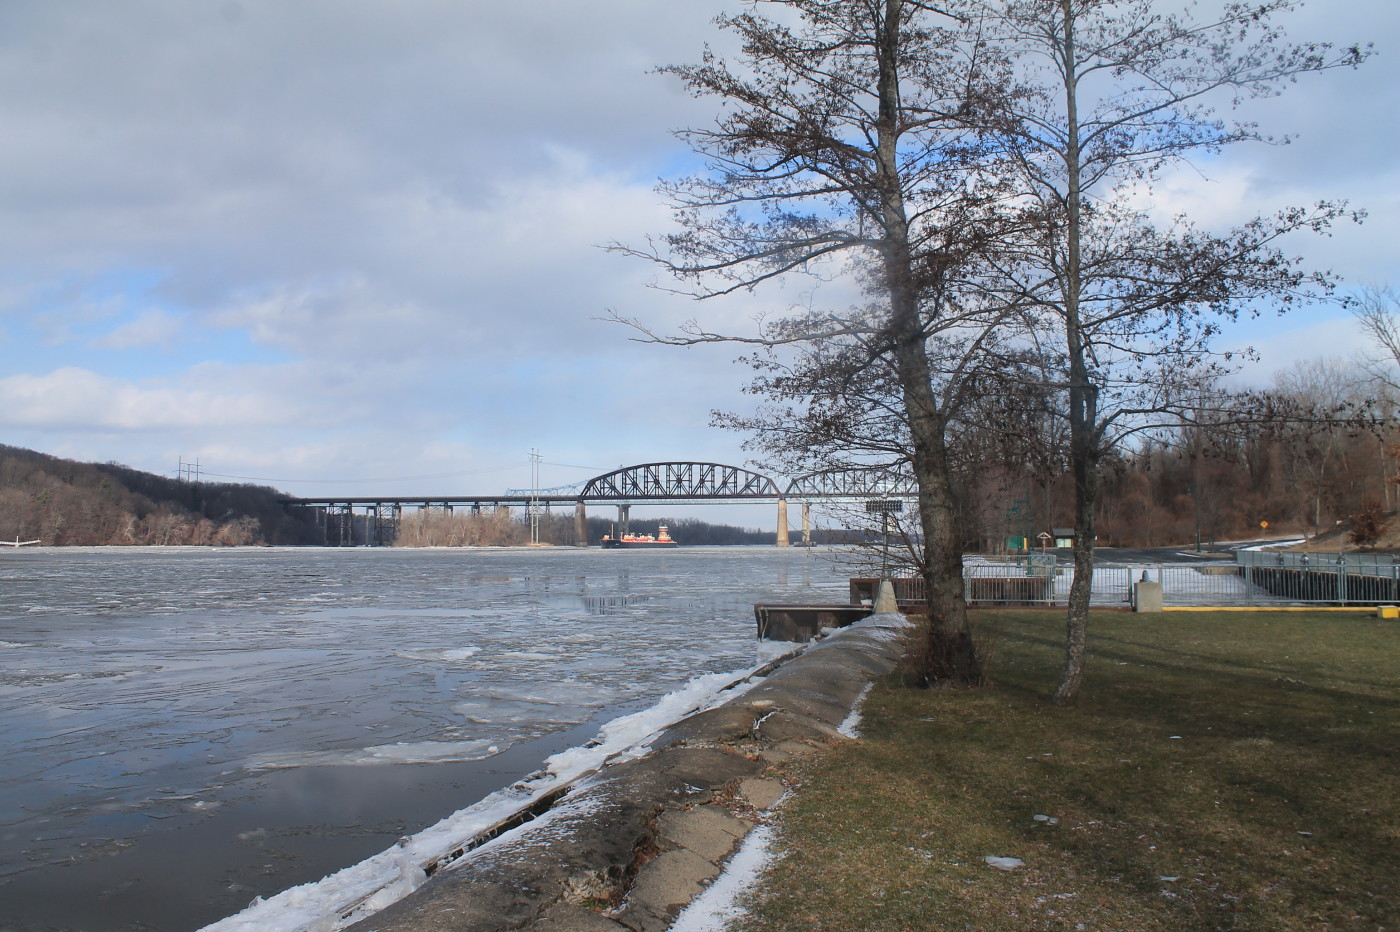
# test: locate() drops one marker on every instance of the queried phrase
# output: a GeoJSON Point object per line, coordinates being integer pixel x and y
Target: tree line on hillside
{"type": "Point", "coordinates": [506, 528]}
{"type": "Point", "coordinates": [1320, 448]}
{"type": "Point", "coordinates": [61, 502]}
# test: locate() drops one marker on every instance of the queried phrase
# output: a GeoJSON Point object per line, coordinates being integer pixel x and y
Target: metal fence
{"type": "Point", "coordinates": [1040, 581]}
{"type": "Point", "coordinates": [1326, 578]}
{"type": "Point", "coordinates": [1254, 578]}
{"type": "Point", "coordinates": [1205, 584]}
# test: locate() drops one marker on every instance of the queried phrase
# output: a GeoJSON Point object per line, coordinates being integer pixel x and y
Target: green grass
{"type": "Point", "coordinates": [1253, 758]}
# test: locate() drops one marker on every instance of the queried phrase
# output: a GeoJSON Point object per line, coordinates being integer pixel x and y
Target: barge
{"type": "Point", "coordinates": [639, 541]}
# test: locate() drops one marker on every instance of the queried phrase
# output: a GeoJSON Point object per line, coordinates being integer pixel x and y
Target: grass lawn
{"type": "Point", "coordinates": [1221, 771]}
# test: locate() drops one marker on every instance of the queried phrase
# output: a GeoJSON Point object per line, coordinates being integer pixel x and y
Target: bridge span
{"type": "Point", "coordinates": [653, 483]}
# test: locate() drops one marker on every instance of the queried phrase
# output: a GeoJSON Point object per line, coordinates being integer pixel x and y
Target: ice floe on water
{"type": "Point", "coordinates": [347, 660]}
{"type": "Point", "coordinates": [402, 752]}
{"type": "Point", "coordinates": [489, 711]}
{"type": "Point", "coordinates": [444, 655]}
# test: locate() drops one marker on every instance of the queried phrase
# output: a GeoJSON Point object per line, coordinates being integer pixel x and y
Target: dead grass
{"type": "Point", "coordinates": [1221, 772]}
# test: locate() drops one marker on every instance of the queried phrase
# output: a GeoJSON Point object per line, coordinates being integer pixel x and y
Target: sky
{"type": "Point", "coordinates": [354, 247]}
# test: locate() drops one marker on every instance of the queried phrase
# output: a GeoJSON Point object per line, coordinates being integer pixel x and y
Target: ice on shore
{"type": "Point", "coordinates": [379, 881]}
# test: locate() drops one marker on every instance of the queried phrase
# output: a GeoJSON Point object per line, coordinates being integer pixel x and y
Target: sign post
{"type": "Point", "coordinates": [885, 507]}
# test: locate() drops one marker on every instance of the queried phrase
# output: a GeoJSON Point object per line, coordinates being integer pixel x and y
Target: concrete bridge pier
{"type": "Point", "coordinates": [624, 520]}
{"type": "Point", "coordinates": [580, 525]}
{"type": "Point", "coordinates": [806, 524]}
{"type": "Point", "coordinates": [782, 523]}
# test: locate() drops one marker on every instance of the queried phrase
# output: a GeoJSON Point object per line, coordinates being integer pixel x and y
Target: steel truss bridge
{"type": "Point", "coordinates": [375, 520]}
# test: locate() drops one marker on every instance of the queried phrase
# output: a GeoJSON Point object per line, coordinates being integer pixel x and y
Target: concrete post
{"type": "Point", "coordinates": [885, 601]}
{"type": "Point", "coordinates": [580, 525]}
{"type": "Point", "coordinates": [1147, 596]}
{"type": "Point", "coordinates": [806, 524]}
{"type": "Point", "coordinates": [782, 523]}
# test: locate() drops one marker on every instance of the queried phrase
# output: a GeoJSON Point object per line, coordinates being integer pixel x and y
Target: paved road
{"type": "Point", "coordinates": [1152, 555]}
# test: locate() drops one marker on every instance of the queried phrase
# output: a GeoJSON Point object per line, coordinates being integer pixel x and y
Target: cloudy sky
{"type": "Point", "coordinates": [352, 246]}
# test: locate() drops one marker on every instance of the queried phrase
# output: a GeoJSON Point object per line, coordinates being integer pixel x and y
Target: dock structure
{"type": "Point", "coordinates": [374, 520]}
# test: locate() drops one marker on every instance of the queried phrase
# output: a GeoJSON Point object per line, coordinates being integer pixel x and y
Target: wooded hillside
{"type": "Point", "coordinates": [63, 502]}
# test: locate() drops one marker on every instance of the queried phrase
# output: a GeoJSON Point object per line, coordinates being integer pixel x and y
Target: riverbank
{"type": "Point", "coordinates": [628, 847]}
{"type": "Point", "coordinates": [1218, 773]}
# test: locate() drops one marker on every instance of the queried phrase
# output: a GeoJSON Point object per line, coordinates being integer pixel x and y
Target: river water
{"type": "Point", "coordinates": [184, 730]}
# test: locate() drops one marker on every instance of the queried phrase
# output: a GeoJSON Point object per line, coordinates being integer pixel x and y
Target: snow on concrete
{"type": "Point", "coordinates": [850, 726]}
{"type": "Point", "coordinates": [714, 909]}
{"type": "Point", "coordinates": [349, 895]}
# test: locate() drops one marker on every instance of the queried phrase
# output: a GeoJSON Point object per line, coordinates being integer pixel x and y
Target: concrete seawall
{"type": "Point", "coordinates": [629, 846]}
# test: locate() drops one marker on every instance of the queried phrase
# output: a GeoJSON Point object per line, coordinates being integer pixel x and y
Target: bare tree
{"type": "Point", "coordinates": [1377, 310]}
{"type": "Point", "coordinates": [847, 137]}
{"type": "Point", "coordinates": [1115, 92]}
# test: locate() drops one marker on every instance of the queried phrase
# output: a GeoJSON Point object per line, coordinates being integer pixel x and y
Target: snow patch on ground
{"type": "Point", "coordinates": [883, 627]}
{"type": "Point", "coordinates": [850, 726]}
{"type": "Point", "coordinates": [718, 905]}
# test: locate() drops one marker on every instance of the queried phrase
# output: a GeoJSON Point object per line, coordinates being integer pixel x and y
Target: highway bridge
{"type": "Point", "coordinates": [377, 517]}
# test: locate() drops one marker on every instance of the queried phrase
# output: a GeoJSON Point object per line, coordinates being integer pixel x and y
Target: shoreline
{"type": "Point", "coordinates": [631, 845]}
{"type": "Point", "coordinates": [616, 836]}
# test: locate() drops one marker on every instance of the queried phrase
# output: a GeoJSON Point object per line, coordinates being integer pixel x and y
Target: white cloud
{"type": "Point", "coordinates": [149, 329]}
{"type": "Point", "coordinates": [77, 399]}
{"type": "Point", "coordinates": [352, 238]}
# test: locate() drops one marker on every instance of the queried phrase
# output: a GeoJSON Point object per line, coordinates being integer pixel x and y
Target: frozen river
{"type": "Point", "coordinates": [184, 730]}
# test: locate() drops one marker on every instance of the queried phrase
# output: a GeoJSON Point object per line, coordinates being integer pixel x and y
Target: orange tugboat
{"type": "Point", "coordinates": [640, 541]}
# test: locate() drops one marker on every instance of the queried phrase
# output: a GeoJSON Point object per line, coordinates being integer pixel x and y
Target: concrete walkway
{"type": "Point", "coordinates": [628, 847]}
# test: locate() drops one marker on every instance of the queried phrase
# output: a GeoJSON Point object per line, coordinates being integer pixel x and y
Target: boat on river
{"type": "Point", "coordinates": [640, 541]}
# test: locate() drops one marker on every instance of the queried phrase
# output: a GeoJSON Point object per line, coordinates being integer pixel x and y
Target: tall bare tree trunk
{"type": "Point", "coordinates": [950, 656]}
{"type": "Point", "coordinates": [1085, 470]}
{"type": "Point", "coordinates": [1083, 408]}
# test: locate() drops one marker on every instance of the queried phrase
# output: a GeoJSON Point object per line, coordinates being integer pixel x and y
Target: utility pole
{"type": "Point", "coordinates": [535, 497]}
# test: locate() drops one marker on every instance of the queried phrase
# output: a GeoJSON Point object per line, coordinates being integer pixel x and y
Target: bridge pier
{"type": "Point", "coordinates": [580, 525]}
{"type": "Point", "coordinates": [806, 524]}
{"type": "Point", "coordinates": [341, 525]}
{"type": "Point", "coordinates": [782, 523]}
{"type": "Point", "coordinates": [624, 520]}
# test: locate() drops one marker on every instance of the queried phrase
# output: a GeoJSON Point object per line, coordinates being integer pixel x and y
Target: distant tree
{"type": "Point", "coordinates": [1309, 398]}
{"type": "Point", "coordinates": [1368, 524]}
{"type": "Point", "coordinates": [1377, 310]}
